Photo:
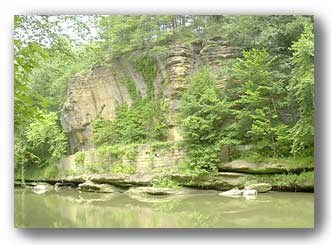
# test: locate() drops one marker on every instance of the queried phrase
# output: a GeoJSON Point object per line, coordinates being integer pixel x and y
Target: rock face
{"type": "Point", "coordinates": [90, 96]}
{"type": "Point", "coordinates": [96, 94]}
{"type": "Point", "coordinates": [146, 160]}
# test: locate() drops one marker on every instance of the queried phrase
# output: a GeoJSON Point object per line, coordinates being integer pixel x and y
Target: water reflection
{"type": "Point", "coordinates": [69, 208]}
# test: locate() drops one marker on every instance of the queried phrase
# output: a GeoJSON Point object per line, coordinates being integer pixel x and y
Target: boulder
{"type": "Point", "coordinates": [259, 187]}
{"type": "Point", "coordinates": [249, 192]}
{"type": "Point", "coordinates": [40, 187]}
{"type": "Point", "coordinates": [219, 181]}
{"type": "Point", "coordinates": [90, 186]}
{"type": "Point", "coordinates": [234, 192]}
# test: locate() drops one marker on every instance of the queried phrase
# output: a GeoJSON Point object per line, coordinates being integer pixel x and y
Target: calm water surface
{"type": "Point", "coordinates": [72, 209]}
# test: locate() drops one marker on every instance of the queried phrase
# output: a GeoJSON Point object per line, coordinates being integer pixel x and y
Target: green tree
{"type": "Point", "coordinates": [259, 102]}
{"type": "Point", "coordinates": [41, 144]}
{"type": "Point", "coordinates": [46, 139]}
{"type": "Point", "coordinates": [302, 90]}
{"type": "Point", "coordinates": [202, 115]}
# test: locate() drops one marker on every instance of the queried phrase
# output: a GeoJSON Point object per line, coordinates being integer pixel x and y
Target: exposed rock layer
{"type": "Point", "coordinates": [98, 93]}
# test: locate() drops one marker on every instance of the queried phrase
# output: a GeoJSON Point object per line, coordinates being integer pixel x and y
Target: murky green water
{"type": "Point", "coordinates": [69, 208]}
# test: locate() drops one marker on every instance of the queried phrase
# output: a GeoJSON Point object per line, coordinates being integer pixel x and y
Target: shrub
{"type": "Point", "coordinates": [80, 157]}
{"type": "Point", "coordinates": [46, 141]}
{"type": "Point", "coordinates": [146, 66]}
{"type": "Point", "coordinates": [111, 153]}
{"type": "Point", "coordinates": [103, 132]}
{"type": "Point", "coordinates": [143, 121]}
{"type": "Point", "coordinates": [123, 168]}
{"type": "Point", "coordinates": [51, 171]}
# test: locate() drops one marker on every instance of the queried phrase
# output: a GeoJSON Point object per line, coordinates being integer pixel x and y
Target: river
{"type": "Point", "coordinates": [73, 209]}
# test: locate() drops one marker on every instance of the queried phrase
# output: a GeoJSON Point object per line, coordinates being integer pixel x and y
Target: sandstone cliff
{"type": "Point", "coordinates": [96, 95]}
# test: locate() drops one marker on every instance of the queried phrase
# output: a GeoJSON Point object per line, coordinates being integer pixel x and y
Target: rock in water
{"type": "Point", "coordinates": [259, 187]}
{"type": "Point", "coordinates": [234, 192]}
{"type": "Point", "coordinates": [249, 193]}
{"type": "Point", "coordinates": [153, 191]}
{"type": "Point", "coordinates": [90, 186]}
{"type": "Point", "coordinates": [41, 188]}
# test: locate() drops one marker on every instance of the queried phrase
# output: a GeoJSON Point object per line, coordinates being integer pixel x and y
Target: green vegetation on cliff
{"type": "Point", "coordinates": [267, 102]}
{"type": "Point", "coordinates": [143, 121]}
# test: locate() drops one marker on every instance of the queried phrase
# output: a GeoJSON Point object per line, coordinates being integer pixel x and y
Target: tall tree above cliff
{"type": "Point", "coordinates": [123, 34]}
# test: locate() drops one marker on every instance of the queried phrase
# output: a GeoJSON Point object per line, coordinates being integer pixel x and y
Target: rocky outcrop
{"type": "Point", "coordinates": [125, 180]}
{"type": "Point", "coordinates": [145, 159]}
{"type": "Point", "coordinates": [242, 166]}
{"type": "Point", "coordinates": [179, 65]}
{"type": "Point", "coordinates": [218, 55]}
{"type": "Point", "coordinates": [90, 186]}
{"type": "Point", "coordinates": [90, 96]}
{"type": "Point", "coordinates": [183, 60]}
{"type": "Point", "coordinates": [259, 187]}
{"type": "Point", "coordinates": [222, 181]}
{"type": "Point", "coordinates": [219, 181]}
{"type": "Point", "coordinates": [96, 94]}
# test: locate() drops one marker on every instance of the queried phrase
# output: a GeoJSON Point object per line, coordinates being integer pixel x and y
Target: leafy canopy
{"type": "Point", "coordinates": [202, 115]}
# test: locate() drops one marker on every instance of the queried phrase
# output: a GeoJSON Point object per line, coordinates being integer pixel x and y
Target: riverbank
{"type": "Point", "coordinates": [238, 174]}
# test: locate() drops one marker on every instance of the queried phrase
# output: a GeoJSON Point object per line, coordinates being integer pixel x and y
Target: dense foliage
{"type": "Point", "coordinates": [202, 115]}
{"type": "Point", "coordinates": [271, 112]}
{"type": "Point", "coordinates": [43, 62]}
{"type": "Point", "coordinates": [147, 67]}
{"type": "Point", "coordinates": [267, 103]}
{"type": "Point", "coordinates": [143, 121]}
{"type": "Point", "coordinates": [302, 90]}
{"type": "Point", "coordinates": [259, 102]}
{"type": "Point", "coordinates": [42, 144]}
{"type": "Point", "coordinates": [263, 105]}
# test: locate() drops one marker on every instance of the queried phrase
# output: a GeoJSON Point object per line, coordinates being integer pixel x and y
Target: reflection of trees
{"type": "Point", "coordinates": [74, 209]}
